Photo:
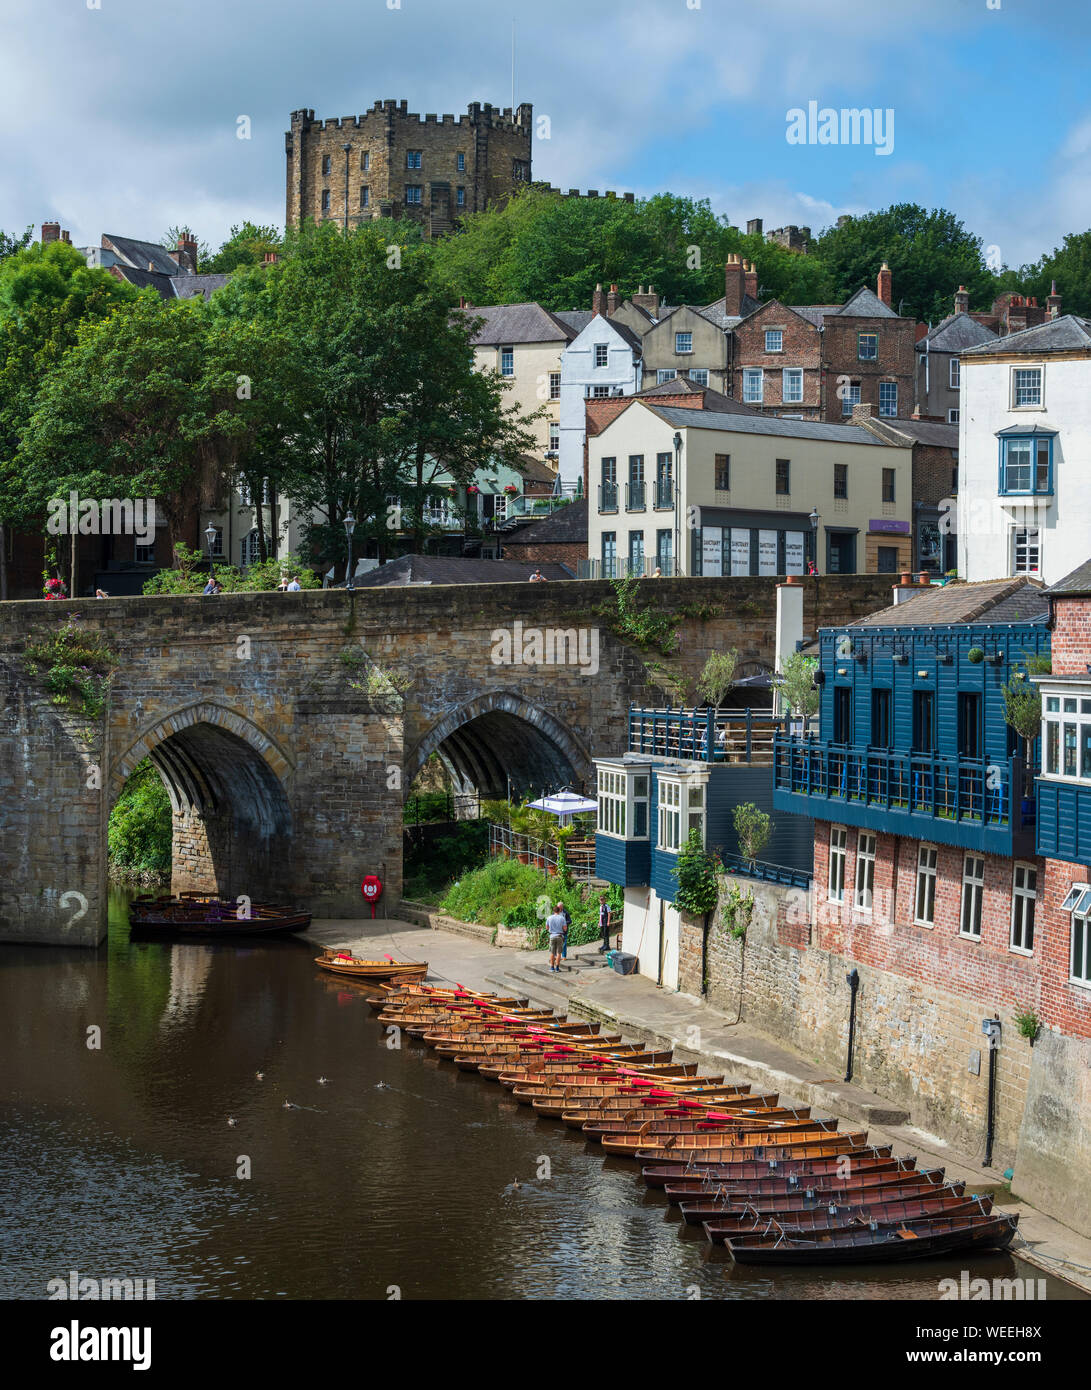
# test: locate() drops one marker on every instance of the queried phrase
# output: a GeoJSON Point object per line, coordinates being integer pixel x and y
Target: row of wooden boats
{"type": "Point", "coordinates": [197, 914]}
{"type": "Point", "coordinates": [771, 1183]}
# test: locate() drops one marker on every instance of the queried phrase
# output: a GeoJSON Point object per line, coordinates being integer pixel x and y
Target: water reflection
{"type": "Point", "coordinates": [119, 1161]}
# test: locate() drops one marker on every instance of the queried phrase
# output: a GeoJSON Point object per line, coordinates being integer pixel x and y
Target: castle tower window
{"type": "Point", "coordinates": [325, 200]}
{"type": "Point", "coordinates": [413, 159]}
{"type": "Point", "coordinates": [460, 197]}
{"type": "Point", "coordinates": [365, 197]}
{"type": "Point", "coordinates": [412, 193]}
{"type": "Point", "coordinates": [365, 161]}
{"type": "Point", "coordinates": [326, 164]}
{"type": "Point", "coordinates": [461, 163]}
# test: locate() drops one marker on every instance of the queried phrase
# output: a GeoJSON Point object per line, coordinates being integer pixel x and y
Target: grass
{"type": "Point", "coordinates": [504, 892]}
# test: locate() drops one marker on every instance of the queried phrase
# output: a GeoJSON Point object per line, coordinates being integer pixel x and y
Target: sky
{"type": "Point", "coordinates": [121, 116]}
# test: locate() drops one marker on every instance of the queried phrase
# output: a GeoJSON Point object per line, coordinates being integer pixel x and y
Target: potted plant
{"type": "Point", "coordinates": [510, 490]}
{"type": "Point", "coordinates": [975, 656]}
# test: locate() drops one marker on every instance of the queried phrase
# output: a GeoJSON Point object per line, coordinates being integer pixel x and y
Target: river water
{"type": "Point", "coordinates": [395, 1178]}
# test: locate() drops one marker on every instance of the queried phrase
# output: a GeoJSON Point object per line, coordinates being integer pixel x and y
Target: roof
{"type": "Point", "coordinates": [453, 569]}
{"type": "Point", "coordinates": [865, 304]}
{"type": "Point", "coordinates": [993, 601]}
{"type": "Point", "coordinates": [139, 253]}
{"type": "Point", "coordinates": [566, 525]}
{"type": "Point", "coordinates": [1066, 334]}
{"type": "Point", "coordinates": [1074, 584]}
{"type": "Point", "coordinates": [713, 400]}
{"type": "Point", "coordinates": [576, 319]}
{"type": "Point", "coordinates": [536, 470]}
{"type": "Point", "coordinates": [936, 432]}
{"type": "Point", "coordinates": [716, 312]}
{"type": "Point", "coordinates": [144, 279]}
{"type": "Point", "coordinates": [955, 334]}
{"type": "Point", "coordinates": [814, 313]}
{"type": "Point", "coordinates": [682, 418]}
{"type": "Point", "coordinates": [190, 286]}
{"type": "Point", "coordinates": [519, 323]}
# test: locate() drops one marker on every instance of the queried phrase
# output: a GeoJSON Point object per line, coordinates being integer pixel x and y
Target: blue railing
{"type": "Point", "coordinates": [703, 735]}
{"type": "Point", "coordinates": [768, 873]}
{"type": "Point", "coordinates": [979, 790]}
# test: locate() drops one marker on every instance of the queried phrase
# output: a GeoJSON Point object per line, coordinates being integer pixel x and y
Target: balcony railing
{"type": "Point", "coordinates": [623, 569]}
{"type": "Point", "coordinates": [608, 497]}
{"type": "Point", "coordinates": [634, 497]}
{"type": "Point", "coordinates": [664, 494]}
{"type": "Point", "coordinates": [981, 791]}
{"type": "Point", "coordinates": [704, 735]}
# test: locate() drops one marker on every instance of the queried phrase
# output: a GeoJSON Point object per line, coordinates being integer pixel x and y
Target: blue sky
{"type": "Point", "coordinates": [123, 118]}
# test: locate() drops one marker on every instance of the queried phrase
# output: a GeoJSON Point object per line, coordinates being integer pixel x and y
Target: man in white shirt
{"type": "Point", "coordinates": [295, 586]}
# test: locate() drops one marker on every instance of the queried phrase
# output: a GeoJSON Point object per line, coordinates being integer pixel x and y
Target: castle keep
{"type": "Point", "coordinates": [396, 163]}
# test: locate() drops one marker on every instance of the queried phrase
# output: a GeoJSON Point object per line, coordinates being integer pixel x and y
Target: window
{"type": "Point", "coordinates": [507, 361]}
{"type": "Point", "coordinates": [886, 559]}
{"type": "Point", "coordinates": [752, 385]}
{"type": "Point", "coordinates": [325, 200]}
{"type": "Point", "coordinates": [1078, 903]}
{"type": "Point", "coordinates": [924, 721]}
{"type": "Point", "coordinates": [1026, 466]}
{"type": "Point", "coordinates": [924, 910]}
{"type": "Point", "coordinates": [888, 398]}
{"type": "Point", "coordinates": [412, 193]}
{"type": "Point", "coordinates": [413, 159]}
{"type": "Point", "coordinates": [791, 386]}
{"type": "Point", "coordinates": [613, 799]}
{"type": "Point", "coordinates": [365, 196]}
{"type": "Point", "coordinates": [554, 437]}
{"type": "Point", "coordinates": [1025, 550]}
{"type": "Point", "coordinates": [609, 554]}
{"type": "Point", "coordinates": [889, 479]}
{"type": "Point", "coordinates": [608, 487]}
{"type": "Point", "coordinates": [956, 375]}
{"type": "Point", "coordinates": [145, 554]}
{"type": "Point", "coordinates": [664, 551]}
{"type": "Point", "coordinates": [460, 197]}
{"type": "Point", "coordinates": [973, 891]}
{"type": "Point", "coordinates": [784, 477]}
{"type": "Point", "coordinates": [880, 717]}
{"type": "Point", "coordinates": [841, 480]}
{"type": "Point", "coordinates": [842, 714]}
{"type": "Point", "coordinates": [635, 500]}
{"type": "Point", "coordinates": [1066, 730]}
{"type": "Point", "coordinates": [600, 393]}
{"type": "Point", "coordinates": [249, 549]}
{"type": "Point", "coordinates": [867, 346]}
{"type": "Point", "coordinates": [520, 169]}
{"type": "Point", "coordinates": [602, 354]}
{"type": "Point", "coordinates": [1024, 893]}
{"type": "Point", "coordinates": [953, 415]}
{"type": "Point", "coordinates": [326, 166]}
{"type": "Point", "coordinates": [664, 374]}
{"type": "Point", "coordinates": [640, 806]}
{"type": "Point", "coordinates": [774, 340]}
{"type": "Point", "coordinates": [850, 397]}
{"type": "Point", "coordinates": [460, 160]}
{"type": "Point", "coordinates": [699, 376]}
{"type": "Point", "coordinates": [664, 480]}
{"type": "Point", "coordinates": [723, 472]}
{"type": "Point", "coordinates": [554, 386]}
{"type": "Point", "coordinates": [636, 552]}
{"type": "Point", "coordinates": [365, 161]}
{"type": "Point", "coordinates": [835, 884]}
{"type": "Point", "coordinates": [1026, 386]}
{"type": "Point", "coordinates": [683, 342]}
{"type": "Point", "coordinates": [695, 811]}
{"type": "Point", "coordinates": [969, 724]}
{"type": "Point", "coordinates": [670, 815]}
{"type": "Point", "coordinates": [865, 871]}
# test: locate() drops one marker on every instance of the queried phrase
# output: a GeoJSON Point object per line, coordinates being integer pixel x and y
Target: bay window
{"type": "Point", "coordinates": [1078, 902]}
{"type": "Point", "coordinates": [681, 809]}
{"type": "Point", "coordinates": [1066, 733]}
{"type": "Point", "coordinates": [623, 803]}
{"type": "Point", "coordinates": [1026, 465]}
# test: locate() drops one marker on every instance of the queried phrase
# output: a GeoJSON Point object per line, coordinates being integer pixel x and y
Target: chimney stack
{"type": "Point", "coordinates": [753, 227]}
{"type": "Point", "coordinates": [186, 254]}
{"type": "Point", "coordinates": [67, 238]}
{"type": "Point", "coordinates": [885, 285]}
{"type": "Point", "coordinates": [861, 410]}
{"type": "Point", "coordinates": [51, 231]}
{"type": "Point", "coordinates": [962, 300]}
{"type": "Point", "coordinates": [648, 301]}
{"type": "Point", "coordinates": [751, 279]}
{"type": "Point", "coordinates": [734, 285]}
{"type": "Point", "coordinates": [613, 301]}
{"type": "Point", "coordinates": [271, 258]}
{"type": "Point", "coordinates": [1053, 301]}
{"type": "Point", "coordinates": [598, 301]}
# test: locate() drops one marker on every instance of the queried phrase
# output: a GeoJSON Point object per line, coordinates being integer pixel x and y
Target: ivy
{"type": "Point", "coordinates": [77, 666]}
{"type": "Point", "coordinates": [696, 869]}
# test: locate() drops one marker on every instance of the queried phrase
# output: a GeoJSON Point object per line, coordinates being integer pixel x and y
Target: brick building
{"type": "Point", "coordinates": [390, 162]}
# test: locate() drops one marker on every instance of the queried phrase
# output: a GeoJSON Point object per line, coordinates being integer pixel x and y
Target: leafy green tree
{"type": "Point", "coordinates": [1069, 265]}
{"type": "Point", "coordinates": [139, 832]}
{"type": "Point", "coordinates": [795, 684]}
{"type": "Point", "coordinates": [718, 676]}
{"type": "Point", "coordinates": [753, 827]}
{"type": "Point", "coordinates": [9, 244]}
{"type": "Point", "coordinates": [247, 245]}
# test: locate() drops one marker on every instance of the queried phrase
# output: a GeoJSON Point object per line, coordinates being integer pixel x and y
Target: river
{"type": "Point", "coordinates": [397, 1177]}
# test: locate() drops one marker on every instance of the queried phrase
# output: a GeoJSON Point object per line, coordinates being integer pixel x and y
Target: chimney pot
{"type": "Point", "coordinates": [885, 283]}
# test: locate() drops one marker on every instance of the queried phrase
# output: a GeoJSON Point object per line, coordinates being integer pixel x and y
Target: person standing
{"type": "Point", "coordinates": [555, 924]}
{"type": "Point", "coordinates": [605, 920]}
{"type": "Point", "coordinates": [567, 928]}
{"type": "Point", "coordinates": [295, 586]}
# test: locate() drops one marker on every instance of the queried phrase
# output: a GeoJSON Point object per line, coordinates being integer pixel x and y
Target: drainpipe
{"type": "Point", "coordinates": [991, 1028]}
{"type": "Point", "coordinates": [853, 981]}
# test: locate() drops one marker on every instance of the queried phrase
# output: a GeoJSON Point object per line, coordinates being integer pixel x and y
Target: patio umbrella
{"type": "Point", "coordinates": [564, 804]}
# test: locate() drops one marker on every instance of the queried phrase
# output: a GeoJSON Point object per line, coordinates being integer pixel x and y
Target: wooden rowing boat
{"type": "Point", "coordinates": [887, 1186]}
{"type": "Point", "coordinates": [709, 1174]}
{"type": "Point", "coordinates": [756, 1146]}
{"type": "Point", "coordinates": [910, 1240]}
{"type": "Point", "coordinates": [505, 1059]}
{"type": "Point", "coordinates": [211, 917]}
{"type": "Point", "coordinates": [588, 1093]}
{"type": "Point", "coordinates": [727, 1128]}
{"type": "Point", "coordinates": [353, 967]}
{"type": "Point", "coordinates": [662, 1074]}
{"type": "Point", "coordinates": [583, 1112]}
{"type": "Point", "coordinates": [889, 1211]}
{"type": "Point", "coordinates": [558, 1106]}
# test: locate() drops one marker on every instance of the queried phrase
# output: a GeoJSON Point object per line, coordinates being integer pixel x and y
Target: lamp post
{"type": "Point", "coordinates": [677, 496]}
{"type": "Point", "coordinates": [350, 526]}
{"type": "Point", "coordinates": [210, 536]}
{"type": "Point", "coordinates": [346, 147]}
{"type": "Point", "coordinates": [815, 519]}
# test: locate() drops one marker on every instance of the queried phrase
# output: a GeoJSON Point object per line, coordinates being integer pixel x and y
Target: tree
{"type": "Point", "coordinates": [247, 245]}
{"type": "Point", "coordinates": [929, 253]}
{"type": "Point", "coordinates": [10, 244]}
{"type": "Point", "coordinates": [698, 890]}
{"type": "Point", "coordinates": [795, 684]}
{"type": "Point", "coordinates": [753, 827]}
{"type": "Point", "coordinates": [1069, 265]}
{"type": "Point", "coordinates": [718, 676]}
{"type": "Point", "coordinates": [170, 243]}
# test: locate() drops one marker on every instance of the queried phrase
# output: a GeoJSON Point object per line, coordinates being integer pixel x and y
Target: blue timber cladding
{"type": "Point", "coordinates": [1064, 821]}
{"type": "Point", "coordinates": [940, 792]}
{"type": "Point", "coordinates": [624, 862]}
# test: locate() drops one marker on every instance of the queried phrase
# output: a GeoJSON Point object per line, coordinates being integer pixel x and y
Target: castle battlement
{"type": "Point", "coordinates": [477, 114]}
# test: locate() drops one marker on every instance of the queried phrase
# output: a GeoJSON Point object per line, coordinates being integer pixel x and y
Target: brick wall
{"type": "Point", "coordinates": [895, 361]}
{"type": "Point", "coordinates": [544, 553]}
{"type": "Point", "coordinates": [1071, 641]}
{"type": "Point", "coordinates": [802, 344]}
{"type": "Point", "coordinates": [935, 474]}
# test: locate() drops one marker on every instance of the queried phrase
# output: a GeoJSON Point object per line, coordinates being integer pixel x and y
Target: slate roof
{"type": "Point", "coordinates": [519, 323]}
{"type": "Point", "coordinates": [143, 279]}
{"type": "Point", "coordinates": [936, 432]}
{"type": "Point", "coordinates": [190, 286]}
{"type": "Point", "coordinates": [535, 470]}
{"type": "Point", "coordinates": [716, 312]}
{"type": "Point", "coordinates": [139, 253]}
{"type": "Point", "coordinates": [865, 304]}
{"type": "Point", "coordinates": [453, 569]}
{"type": "Point", "coordinates": [1066, 334]}
{"type": "Point", "coordinates": [814, 313]}
{"type": "Point", "coordinates": [1076, 583]}
{"type": "Point", "coordinates": [689, 418]}
{"type": "Point", "coordinates": [993, 601]}
{"type": "Point", "coordinates": [955, 334]}
{"type": "Point", "coordinates": [576, 319]}
{"type": "Point", "coordinates": [713, 400]}
{"type": "Point", "coordinates": [565, 526]}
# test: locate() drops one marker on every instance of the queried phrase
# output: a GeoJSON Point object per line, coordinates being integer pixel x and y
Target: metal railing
{"type": "Point", "coordinates": [634, 497]}
{"type": "Point", "coordinates": [608, 497]}
{"type": "Point", "coordinates": [768, 873]}
{"type": "Point", "coordinates": [664, 494]}
{"type": "Point", "coordinates": [543, 854]}
{"type": "Point", "coordinates": [704, 735]}
{"type": "Point", "coordinates": [984, 791]}
{"type": "Point", "coordinates": [622, 569]}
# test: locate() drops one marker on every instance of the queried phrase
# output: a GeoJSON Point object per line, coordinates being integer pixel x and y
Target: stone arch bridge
{"type": "Point", "coordinates": [288, 728]}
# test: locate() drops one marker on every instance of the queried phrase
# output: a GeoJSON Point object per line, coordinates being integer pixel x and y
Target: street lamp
{"type": "Point", "coordinates": [210, 536]}
{"type": "Point", "coordinates": [346, 147]}
{"type": "Point", "coordinates": [815, 519]}
{"type": "Point", "coordinates": [677, 490]}
{"type": "Point", "coordinates": [350, 526]}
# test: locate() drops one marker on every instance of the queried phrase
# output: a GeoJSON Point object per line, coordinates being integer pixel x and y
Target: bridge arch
{"type": "Point", "coordinates": [229, 784]}
{"type": "Point", "coordinates": [498, 738]}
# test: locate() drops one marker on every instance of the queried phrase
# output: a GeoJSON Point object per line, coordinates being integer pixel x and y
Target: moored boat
{"type": "Point", "coordinates": [340, 962]}
{"type": "Point", "coordinates": [891, 1211]}
{"type": "Point", "coordinates": [910, 1240]}
{"type": "Point", "coordinates": [191, 915]}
